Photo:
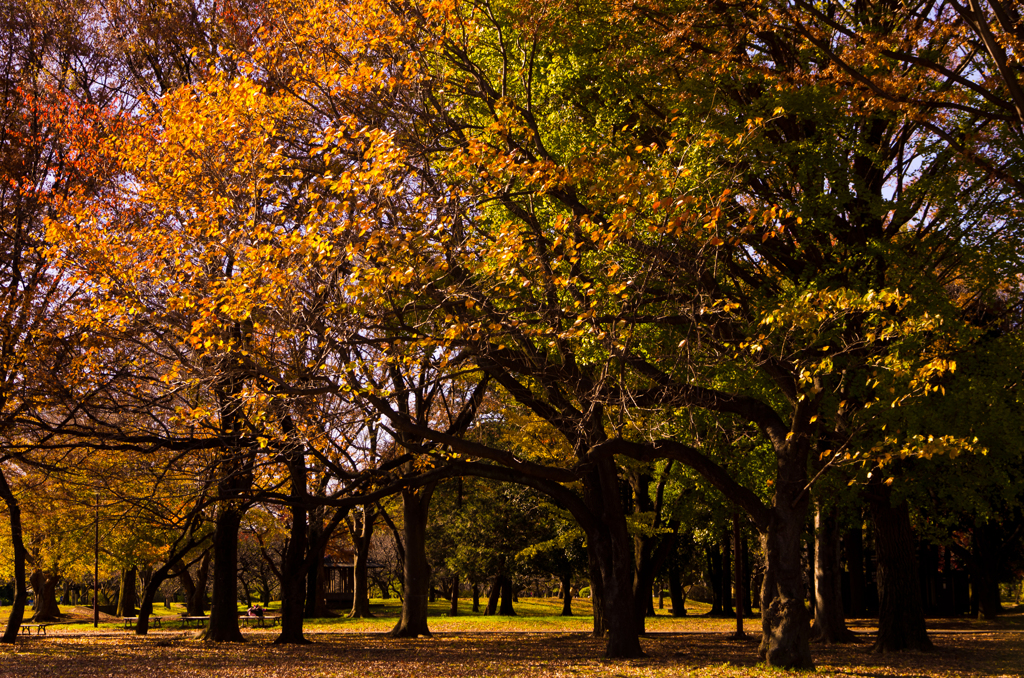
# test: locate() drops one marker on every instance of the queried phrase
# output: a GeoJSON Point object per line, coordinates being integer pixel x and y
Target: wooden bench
{"type": "Point", "coordinates": [265, 620]}
{"type": "Point", "coordinates": [40, 629]}
{"type": "Point", "coordinates": [154, 622]}
{"type": "Point", "coordinates": [199, 621]}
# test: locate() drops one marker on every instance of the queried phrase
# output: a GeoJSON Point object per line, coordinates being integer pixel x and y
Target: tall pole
{"type": "Point", "coordinates": [96, 569]}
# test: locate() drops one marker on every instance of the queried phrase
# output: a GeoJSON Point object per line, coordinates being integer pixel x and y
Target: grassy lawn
{"type": "Point", "coordinates": [537, 642]}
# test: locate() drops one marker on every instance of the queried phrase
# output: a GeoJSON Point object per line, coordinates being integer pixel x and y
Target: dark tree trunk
{"type": "Point", "coordinates": [453, 598]}
{"type": "Point", "coordinates": [145, 576]}
{"type": "Point", "coordinates": [727, 573]}
{"type": "Point", "coordinates": [314, 564]}
{"type": "Point", "coordinates": [810, 571]}
{"type": "Point", "coordinates": [223, 625]}
{"type": "Point", "coordinates": [506, 609]}
{"type": "Point", "coordinates": [493, 596]}
{"type": "Point", "coordinates": [948, 606]}
{"type": "Point", "coordinates": [566, 584]}
{"type": "Point", "coordinates": [853, 545]}
{"type": "Point", "coordinates": [714, 572]}
{"type": "Point", "coordinates": [901, 624]}
{"type": "Point", "coordinates": [416, 584]}
{"type": "Point", "coordinates": [20, 554]}
{"type": "Point", "coordinates": [316, 544]}
{"type": "Point", "coordinates": [785, 621]}
{"type": "Point", "coordinates": [748, 588]}
{"type": "Point", "coordinates": [126, 596]}
{"type": "Point", "coordinates": [362, 537]}
{"type": "Point", "coordinates": [829, 623]}
{"type": "Point", "coordinates": [197, 599]}
{"type": "Point", "coordinates": [600, 628]}
{"type": "Point", "coordinates": [476, 597]}
{"type": "Point", "coordinates": [652, 553]}
{"type": "Point", "coordinates": [984, 567]}
{"type": "Point", "coordinates": [44, 588]}
{"type": "Point", "coordinates": [149, 594]}
{"type": "Point", "coordinates": [611, 548]}
{"type": "Point", "coordinates": [293, 565]}
{"type": "Point", "coordinates": [675, 589]}
{"type": "Point", "coordinates": [738, 580]}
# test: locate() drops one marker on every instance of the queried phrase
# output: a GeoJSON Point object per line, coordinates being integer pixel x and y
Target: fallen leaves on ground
{"type": "Point", "coordinates": [507, 655]}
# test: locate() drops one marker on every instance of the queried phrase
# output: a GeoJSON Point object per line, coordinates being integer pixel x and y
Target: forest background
{"type": "Point", "coordinates": [669, 268]}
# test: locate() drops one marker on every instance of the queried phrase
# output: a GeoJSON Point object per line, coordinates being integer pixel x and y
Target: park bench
{"type": "Point", "coordinates": [265, 620]}
{"type": "Point", "coordinates": [40, 629]}
{"type": "Point", "coordinates": [199, 621]}
{"type": "Point", "coordinates": [154, 622]}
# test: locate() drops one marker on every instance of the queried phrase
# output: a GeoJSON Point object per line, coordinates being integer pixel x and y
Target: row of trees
{"type": "Point", "coordinates": [316, 255]}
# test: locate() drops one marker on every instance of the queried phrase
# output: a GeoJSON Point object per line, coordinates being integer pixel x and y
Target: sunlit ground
{"type": "Point", "coordinates": [537, 642]}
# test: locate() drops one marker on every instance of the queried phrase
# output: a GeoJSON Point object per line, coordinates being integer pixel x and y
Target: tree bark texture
{"type": "Point", "coordinates": [984, 567]}
{"type": "Point", "coordinates": [492, 598]}
{"type": "Point", "coordinates": [453, 597]}
{"type": "Point", "coordinates": [294, 566]}
{"type": "Point", "coordinates": [785, 620]}
{"type": "Point", "coordinates": [853, 545]}
{"type": "Point", "coordinates": [506, 609]}
{"type": "Point", "coordinates": [44, 588]}
{"type": "Point", "coordinates": [126, 594]}
{"type": "Point", "coordinates": [596, 599]}
{"type": "Point", "coordinates": [362, 537]}
{"type": "Point", "coordinates": [223, 625]}
{"type": "Point", "coordinates": [20, 554]}
{"type": "Point", "coordinates": [901, 624]}
{"type": "Point", "coordinates": [675, 588]}
{"type": "Point", "coordinates": [611, 550]}
{"type": "Point", "coordinates": [149, 594]}
{"type": "Point", "coordinates": [315, 604]}
{"type": "Point", "coordinates": [416, 584]}
{"type": "Point", "coordinates": [829, 622]}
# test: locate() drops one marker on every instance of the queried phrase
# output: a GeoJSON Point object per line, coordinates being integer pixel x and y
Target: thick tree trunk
{"type": "Point", "coordinates": [652, 552]}
{"type": "Point", "coordinates": [416, 584]}
{"type": "Point", "coordinates": [506, 609]}
{"type": "Point", "coordinates": [853, 545]}
{"type": "Point", "coordinates": [727, 598]}
{"type": "Point", "coordinates": [493, 596]}
{"type": "Point", "coordinates": [149, 594]}
{"type": "Point", "coordinates": [675, 588]}
{"type": "Point", "coordinates": [566, 589]}
{"type": "Point", "coordinates": [453, 597]}
{"type": "Point", "coordinates": [476, 597]}
{"type": "Point", "coordinates": [314, 564]}
{"type": "Point", "coordinates": [785, 621]}
{"type": "Point", "coordinates": [829, 622]}
{"type": "Point", "coordinates": [984, 565]}
{"type": "Point", "coordinates": [600, 628]}
{"type": "Point", "coordinates": [360, 574]}
{"type": "Point", "coordinates": [293, 565]}
{"type": "Point", "coordinates": [901, 624]}
{"type": "Point", "coordinates": [20, 554]}
{"type": "Point", "coordinates": [611, 548]}
{"type": "Point", "coordinates": [223, 625]}
{"type": "Point", "coordinates": [714, 573]}
{"type": "Point", "coordinates": [44, 588]}
{"type": "Point", "coordinates": [197, 601]}
{"type": "Point", "coordinates": [126, 596]}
